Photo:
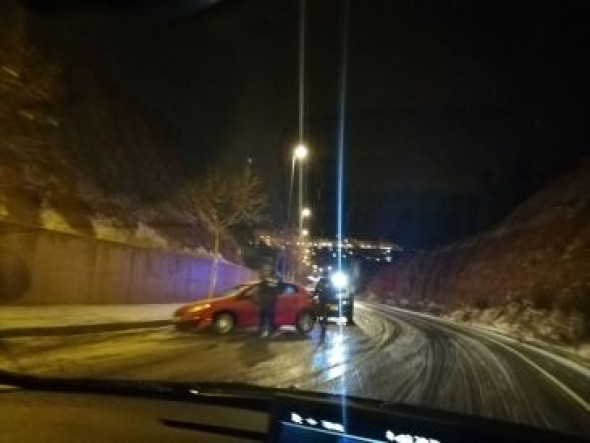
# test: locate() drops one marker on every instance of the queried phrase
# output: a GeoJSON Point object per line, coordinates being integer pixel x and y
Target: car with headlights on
{"type": "Point", "coordinates": [334, 297]}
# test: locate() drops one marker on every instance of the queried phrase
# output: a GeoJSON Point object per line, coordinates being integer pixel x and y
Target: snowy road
{"type": "Point", "coordinates": [392, 355]}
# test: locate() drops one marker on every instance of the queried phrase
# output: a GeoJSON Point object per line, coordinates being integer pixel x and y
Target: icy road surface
{"type": "Point", "coordinates": [391, 355]}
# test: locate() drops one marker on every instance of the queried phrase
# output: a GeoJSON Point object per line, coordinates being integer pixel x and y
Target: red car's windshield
{"type": "Point", "coordinates": [232, 291]}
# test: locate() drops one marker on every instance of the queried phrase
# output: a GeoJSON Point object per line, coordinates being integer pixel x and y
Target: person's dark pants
{"type": "Point", "coordinates": [267, 313]}
{"type": "Point", "coordinates": [322, 313]}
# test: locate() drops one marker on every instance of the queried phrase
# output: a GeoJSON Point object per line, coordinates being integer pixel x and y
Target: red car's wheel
{"type": "Point", "coordinates": [305, 322]}
{"type": "Point", "coordinates": [223, 323]}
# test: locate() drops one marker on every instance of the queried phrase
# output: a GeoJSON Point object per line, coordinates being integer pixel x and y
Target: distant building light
{"type": "Point", "coordinates": [337, 427]}
{"type": "Point", "coordinates": [296, 418]}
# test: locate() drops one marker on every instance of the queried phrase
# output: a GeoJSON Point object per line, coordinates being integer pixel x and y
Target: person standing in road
{"type": "Point", "coordinates": [269, 290]}
{"type": "Point", "coordinates": [323, 292]}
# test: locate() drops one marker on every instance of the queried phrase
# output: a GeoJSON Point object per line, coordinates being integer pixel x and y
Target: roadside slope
{"type": "Point", "coordinates": [529, 276]}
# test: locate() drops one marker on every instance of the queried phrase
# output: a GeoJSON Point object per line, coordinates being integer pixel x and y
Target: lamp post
{"type": "Point", "coordinates": [300, 154]}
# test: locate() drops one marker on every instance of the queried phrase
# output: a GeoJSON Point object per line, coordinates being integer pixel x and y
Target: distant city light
{"type": "Point", "coordinates": [306, 212]}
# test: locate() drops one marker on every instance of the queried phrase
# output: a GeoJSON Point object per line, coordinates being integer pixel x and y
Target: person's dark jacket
{"type": "Point", "coordinates": [324, 290]}
{"type": "Point", "coordinates": [269, 290]}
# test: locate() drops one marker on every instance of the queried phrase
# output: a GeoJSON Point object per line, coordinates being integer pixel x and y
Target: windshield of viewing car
{"type": "Point", "coordinates": [426, 163]}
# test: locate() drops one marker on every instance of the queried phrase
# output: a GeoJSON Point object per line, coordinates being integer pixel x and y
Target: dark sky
{"type": "Point", "coordinates": [457, 110]}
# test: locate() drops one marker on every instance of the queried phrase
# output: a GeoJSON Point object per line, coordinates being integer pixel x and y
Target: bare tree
{"type": "Point", "coordinates": [223, 199]}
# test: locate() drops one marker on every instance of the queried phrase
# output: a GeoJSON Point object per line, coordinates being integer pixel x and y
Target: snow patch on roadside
{"type": "Point", "coordinates": [74, 315]}
{"type": "Point", "coordinates": [551, 329]}
{"type": "Point", "coordinates": [562, 332]}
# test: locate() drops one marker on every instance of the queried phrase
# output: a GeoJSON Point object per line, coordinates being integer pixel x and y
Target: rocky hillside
{"type": "Point", "coordinates": [76, 156]}
{"type": "Point", "coordinates": [529, 276]}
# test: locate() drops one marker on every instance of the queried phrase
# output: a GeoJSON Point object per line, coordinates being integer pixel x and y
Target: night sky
{"type": "Point", "coordinates": [457, 110]}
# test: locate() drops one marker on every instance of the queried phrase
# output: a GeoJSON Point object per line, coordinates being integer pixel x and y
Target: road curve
{"type": "Point", "coordinates": [454, 367]}
{"type": "Point", "coordinates": [391, 354]}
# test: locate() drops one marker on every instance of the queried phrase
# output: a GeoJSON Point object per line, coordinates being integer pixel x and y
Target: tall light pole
{"type": "Point", "coordinates": [300, 154]}
{"type": "Point", "coordinates": [305, 213]}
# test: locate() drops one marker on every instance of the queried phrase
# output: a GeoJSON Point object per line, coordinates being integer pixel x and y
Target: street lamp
{"type": "Point", "coordinates": [300, 152]}
{"type": "Point", "coordinates": [305, 212]}
{"type": "Point", "coordinates": [304, 232]}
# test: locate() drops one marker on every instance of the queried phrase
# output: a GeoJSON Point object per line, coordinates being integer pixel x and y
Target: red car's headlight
{"type": "Point", "coordinates": [198, 308]}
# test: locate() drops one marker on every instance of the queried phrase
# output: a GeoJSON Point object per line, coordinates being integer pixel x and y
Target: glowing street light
{"type": "Point", "coordinates": [305, 212]}
{"type": "Point", "coordinates": [304, 232]}
{"type": "Point", "coordinates": [300, 152]}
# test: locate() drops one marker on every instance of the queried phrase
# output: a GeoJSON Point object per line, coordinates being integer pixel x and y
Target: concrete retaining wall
{"type": "Point", "coordinates": [47, 267]}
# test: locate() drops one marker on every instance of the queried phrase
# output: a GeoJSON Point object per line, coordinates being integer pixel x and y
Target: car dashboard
{"type": "Point", "coordinates": [50, 415]}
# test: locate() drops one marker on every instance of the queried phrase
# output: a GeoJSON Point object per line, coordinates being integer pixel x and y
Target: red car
{"type": "Point", "coordinates": [238, 307]}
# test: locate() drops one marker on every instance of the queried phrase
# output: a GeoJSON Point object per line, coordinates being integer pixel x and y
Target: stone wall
{"type": "Point", "coordinates": [45, 267]}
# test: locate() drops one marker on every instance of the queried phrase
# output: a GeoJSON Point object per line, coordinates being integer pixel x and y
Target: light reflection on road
{"type": "Point", "coordinates": [332, 355]}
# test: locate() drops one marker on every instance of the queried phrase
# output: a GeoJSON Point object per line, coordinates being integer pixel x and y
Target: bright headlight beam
{"type": "Point", "coordinates": [339, 279]}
